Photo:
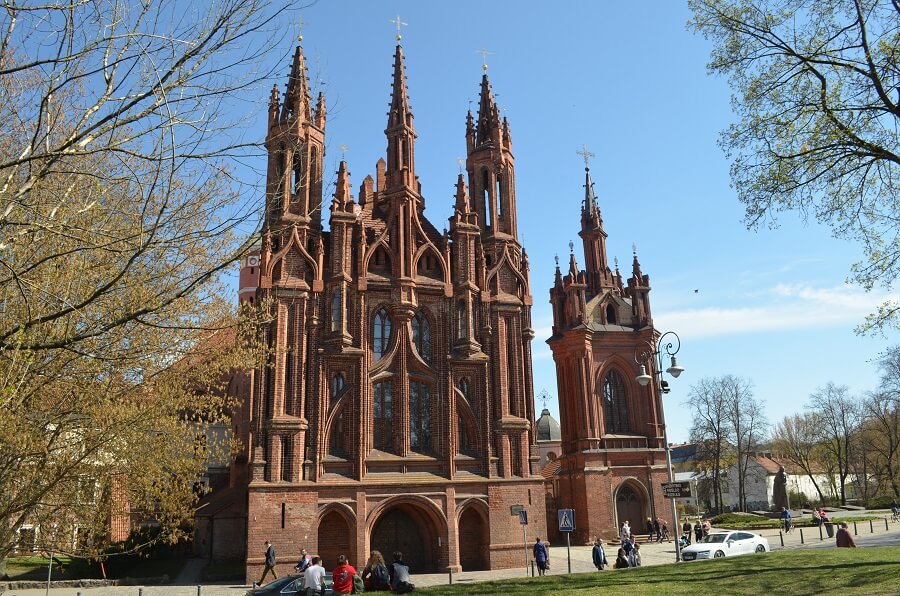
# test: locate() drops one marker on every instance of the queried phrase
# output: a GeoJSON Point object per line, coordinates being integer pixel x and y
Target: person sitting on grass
{"type": "Point", "coordinates": [621, 560]}
{"type": "Point", "coordinates": [843, 539]}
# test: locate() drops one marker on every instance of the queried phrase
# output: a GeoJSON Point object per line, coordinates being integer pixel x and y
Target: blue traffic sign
{"type": "Point", "coordinates": [566, 520]}
{"type": "Point", "coordinates": [523, 518]}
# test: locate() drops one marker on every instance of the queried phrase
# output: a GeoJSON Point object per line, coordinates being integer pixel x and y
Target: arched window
{"type": "Point", "coordinates": [615, 403]}
{"type": "Point", "coordinates": [337, 386]}
{"type": "Point", "coordinates": [383, 417]}
{"type": "Point", "coordinates": [419, 417]}
{"type": "Point", "coordinates": [298, 172]}
{"type": "Point", "coordinates": [610, 314]}
{"type": "Point", "coordinates": [499, 196]}
{"type": "Point", "coordinates": [464, 441]}
{"type": "Point", "coordinates": [461, 326]}
{"type": "Point", "coordinates": [421, 335]}
{"type": "Point", "coordinates": [381, 333]}
{"type": "Point", "coordinates": [338, 443]}
{"type": "Point", "coordinates": [463, 387]}
{"type": "Point", "coordinates": [336, 310]}
{"type": "Point", "coordinates": [485, 196]}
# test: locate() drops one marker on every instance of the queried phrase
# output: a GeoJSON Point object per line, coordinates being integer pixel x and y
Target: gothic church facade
{"type": "Point", "coordinates": [396, 411]}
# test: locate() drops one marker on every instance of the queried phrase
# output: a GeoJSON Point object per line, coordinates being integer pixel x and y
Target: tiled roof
{"type": "Point", "coordinates": [551, 469]}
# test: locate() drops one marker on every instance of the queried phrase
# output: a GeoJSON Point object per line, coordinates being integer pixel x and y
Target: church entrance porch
{"type": "Point", "coordinates": [631, 506]}
{"type": "Point", "coordinates": [411, 530]}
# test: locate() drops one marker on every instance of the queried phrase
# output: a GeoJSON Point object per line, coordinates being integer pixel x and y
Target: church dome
{"type": "Point", "coordinates": [547, 427]}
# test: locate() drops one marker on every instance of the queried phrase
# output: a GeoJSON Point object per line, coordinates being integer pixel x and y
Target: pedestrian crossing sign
{"type": "Point", "coordinates": [566, 520]}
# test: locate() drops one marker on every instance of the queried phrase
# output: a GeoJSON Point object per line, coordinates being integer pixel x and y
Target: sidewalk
{"type": "Point", "coordinates": [651, 554]}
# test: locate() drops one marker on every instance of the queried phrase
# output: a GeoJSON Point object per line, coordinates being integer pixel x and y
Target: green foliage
{"type": "Point", "coordinates": [815, 92]}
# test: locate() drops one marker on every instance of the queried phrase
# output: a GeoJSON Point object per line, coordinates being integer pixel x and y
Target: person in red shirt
{"type": "Point", "coordinates": [342, 577]}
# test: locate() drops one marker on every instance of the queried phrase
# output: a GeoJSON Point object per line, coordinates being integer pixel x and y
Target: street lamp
{"type": "Point", "coordinates": [643, 355]}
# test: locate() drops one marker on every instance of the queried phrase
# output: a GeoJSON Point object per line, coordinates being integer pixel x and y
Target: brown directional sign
{"type": "Point", "coordinates": [676, 490]}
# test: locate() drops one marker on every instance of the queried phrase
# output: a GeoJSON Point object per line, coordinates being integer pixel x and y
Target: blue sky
{"type": "Point", "coordinates": [630, 82]}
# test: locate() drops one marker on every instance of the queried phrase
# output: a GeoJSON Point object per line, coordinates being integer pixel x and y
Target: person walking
{"type": "Point", "coordinates": [625, 531]}
{"type": "Point", "coordinates": [665, 533]}
{"type": "Point", "coordinates": [686, 531]}
{"type": "Point", "coordinates": [342, 577]}
{"type": "Point", "coordinates": [698, 531]}
{"type": "Point", "coordinates": [842, 538]}
{"type": "Point", "coordinates": [400, 583]}
{"type": "Point", "coordinates": [541, 556]}
{"type": "Point", "coordinates": [270, 563]}
{"type": "Point", "coordinates": [314, 578]}
{"type": "Point", "coordinates": [649, 530]}
{"type": "Point", "coordinates": [657, 530]}
{"type": "Point", "coordinates": [375, 574]}
{"type": "Point", "coordinates": [598, 555]}
{"type": "Point", "coordinates": [621, 560]}
{"type": "Point", "coordinates": [786, 519]}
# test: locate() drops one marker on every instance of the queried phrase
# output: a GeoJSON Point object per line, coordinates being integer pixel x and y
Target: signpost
{"type": "Point", "coordinates": [567, 525]}
{"type": "Point", "coordinates": [676, 490]}
{"type": "Point", "coordinates": [523, 520]}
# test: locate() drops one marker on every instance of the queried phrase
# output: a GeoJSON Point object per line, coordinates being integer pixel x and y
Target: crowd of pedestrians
{"type": "Point", "coordinates": [376, 576]}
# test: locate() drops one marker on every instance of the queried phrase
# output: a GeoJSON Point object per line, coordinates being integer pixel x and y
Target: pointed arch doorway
{"type": "Point", "coordinates": [631, 506]}
{"type": "Point", "coordinates": [410, 530]}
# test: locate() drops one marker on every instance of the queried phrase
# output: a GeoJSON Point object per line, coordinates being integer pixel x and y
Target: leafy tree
{"type": "Point", "coordinates": [838, 416]}
{"type": "Point", "coordinates": [816, 93]}
{"type": "Point", "coordinates": [710, 429]}
{"type": "Point", "coordinates": [117, 216]}
{"type": "Point", "coordinates": [797, 439]}
{"type": "Point", "coordinates": [748, 424]}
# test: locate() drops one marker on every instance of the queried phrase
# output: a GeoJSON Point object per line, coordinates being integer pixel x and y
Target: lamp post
{"type": "Point", "coordinates": [668, 343]}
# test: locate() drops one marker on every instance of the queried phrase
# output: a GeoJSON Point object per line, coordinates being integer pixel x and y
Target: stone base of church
{"type": "Point", "coordinates": [438, 526]}
{"type": "Point", "coordinates": [606, 488]}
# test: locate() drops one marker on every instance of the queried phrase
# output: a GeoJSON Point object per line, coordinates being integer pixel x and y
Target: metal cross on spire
{"type": "Point", "coordinates": [398, 23]}
{"type": "Point", "coordinates": [461, 162]}
{"type": "Point", "coordinates": [484, 54]}
{"type": "Point", "coordinates": [571, 247]}
{"type": "Point", "coordinates": [634, 249]}
{"type": "Point", "coordinates": [343, 149]}
{"type": "Point", "coordinates": [587, 155]}
{"type": "Point", "coordinates": [299, 28]}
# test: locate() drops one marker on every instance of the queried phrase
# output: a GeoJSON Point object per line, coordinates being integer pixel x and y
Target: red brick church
{"type": "Point", "coordinates": [612, 458]}
{"type": "Point", "coordinates": [397, 411]}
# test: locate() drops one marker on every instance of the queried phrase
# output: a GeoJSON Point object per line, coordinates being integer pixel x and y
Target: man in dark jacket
{"type": "Point", "coordinates": [843, 539]}
{"type": "Point", "coordinates": [270, 563]}
{"type": "Point", "coordinates": [598, 555]}
{"type": "Point", "coordinates": [399, 572]}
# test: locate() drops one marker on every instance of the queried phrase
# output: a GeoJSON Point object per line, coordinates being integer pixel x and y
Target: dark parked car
{"type": "Point", "coordinates": [287, 586]}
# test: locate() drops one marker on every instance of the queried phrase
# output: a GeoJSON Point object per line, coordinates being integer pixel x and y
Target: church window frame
{"type": "Point", "coordinates": [421, 336]}
{"type": "Point", "coordinates": [381, 333]}
{"type": "Point", "coordinates": [486, 196]}
{"type": "Point", "coordinates": [336, 309]}
{"type": "Point", "coordinates": [383, 417]}
{"type": "Point", "coordinates": [338, 384]}
{"type": "Point", "coordinates": [420, 417]}
{"type": "Point", "coordinates": [614, 393]}
{"type": "Point", "coordinates": [462, 327]}
{"type": "Point", "coordinates": [466, 432]}
{"type": "Point", "coordinates": [299, 167]}
{"type": "Point", "coordinates": [337, 439]}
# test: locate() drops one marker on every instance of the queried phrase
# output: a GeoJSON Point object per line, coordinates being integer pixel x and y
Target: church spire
{"type": "Point", "coordinates": [598, 275]}
{"type": "Point", "coordinates": [400, 132]}
{"type": "Point", "coordinates": [297, 99]}
{"type": "Point", "coordinates": [489, 125]}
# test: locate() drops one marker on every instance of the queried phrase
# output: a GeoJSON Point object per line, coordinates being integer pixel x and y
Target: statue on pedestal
{"type": "Point", "coordinates": [780, 490]}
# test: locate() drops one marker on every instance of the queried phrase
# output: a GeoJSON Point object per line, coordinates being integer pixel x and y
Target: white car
{"type": "Point", "coordinates": [725, 543]}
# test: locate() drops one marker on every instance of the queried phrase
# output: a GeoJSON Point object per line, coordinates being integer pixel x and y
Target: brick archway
{"type": "Point", "coordinates": [631, 505]}
{"type": "Point", "coordinates": [474, 540]}
{"type": "Point", "coordinates": [335, 538]}
{"type": "Point", "coordinates": [408, 527]}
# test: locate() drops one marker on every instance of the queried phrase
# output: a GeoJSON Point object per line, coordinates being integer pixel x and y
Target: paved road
{"type": "Point", "coordinates": [652, 554]}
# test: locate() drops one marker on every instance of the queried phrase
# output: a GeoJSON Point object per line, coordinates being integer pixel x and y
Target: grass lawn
{"type": "Point", "coordinates": [25, 568]}
{"type": "Point", "coordinates": [867, 571]}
